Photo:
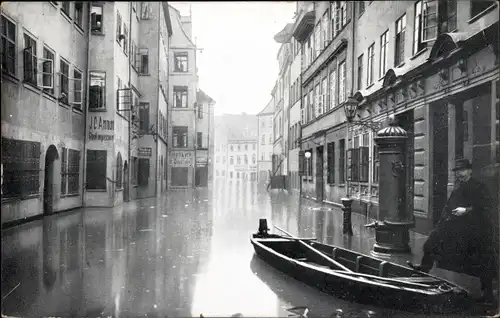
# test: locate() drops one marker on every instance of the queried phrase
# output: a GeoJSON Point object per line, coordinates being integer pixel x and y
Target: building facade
{"type": "Point", "coordinates": [265, 143]}
{"type": "Point", "coordinates": [96, 89]}
{"type": "Point", "coordinates": [124, 154]}
{"type": "Point", "coordinates": [204, 139]}
{"type": "Point", "coordinates": [183, 85]}
{"type": "Point", "coordinates": [441, 84]}
{"type": "Point", "coordinates": [324, 30]}
{"type": "Point", "coordinates": [236, 148]}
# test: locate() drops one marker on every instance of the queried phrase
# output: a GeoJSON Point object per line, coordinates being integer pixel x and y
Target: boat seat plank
{"type": "Point", "coordinates": [423, 279]}
{"type": "Point", "coordinates": [358, 263]}
{"type": "Point", "coordinates": [273, 240]}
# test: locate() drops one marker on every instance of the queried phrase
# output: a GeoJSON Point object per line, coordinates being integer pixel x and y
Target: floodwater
{"type": "Point", "coordinates": [182, 254]}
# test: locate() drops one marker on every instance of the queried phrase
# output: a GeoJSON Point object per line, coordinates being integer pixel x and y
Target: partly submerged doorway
{"type": "Point", "coordinates": [49, 179]}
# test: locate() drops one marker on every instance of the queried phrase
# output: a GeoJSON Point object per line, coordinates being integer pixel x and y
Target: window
{"type": "Point", "coordinates": [79, 13]}
{"type": "Point", "coordinates": [142, 61]}
{"type": "Point", "coordinates": [383, 54]}
{"type": "Point", "coordinates": [134, 55]}
{"type": "Point", "coordinates": [8, 46]}
{"type": "Point", "coordinates": [77, 88]}
{"type": "Point", "coordinates": [254, 158]}
{"type": "Point", "coordinates": [144, 118]}
{"type": "Point", "coordinates": [360, 72]}
{"type": "Point", "coordinates": [119, 172]}
{"type": "Point", "coordinates": [21, 168]}
{"type": "Point", "coordinates": [361, 7]}
{"type": "Point", "coordinates": [399, 50]}
{"type": "Point", "coordinates": [324, 92]}
{"type": "Point", "coordinates": [48, 71]}
{"type": "Point", "coordinates": [364, 154]}
{"type": "Point", "coordinates": [143, 172]}
{"type": "Point", "coordinates": [73, 171]}
{"type": "Point", "coordinates": [339, 16]}
{"type": "Point", "coordinates": [65, 7]}
{"type": "Point", "coordinates": [119, 32]}
{"type": "Point", "coordinates": [179, 136]}
{"type": "Point", "coordinates": [96, 25]}
{"type": "Point", "coordinates": [180, 61]}
{"type": "Point", "coordinates": [97, 90]}
{"type": "Point", "coordinates": [476, 7]}
{"type": "Point", "coordinates": [145, 11]}
{"type": "Point", "coordinates": [200, 110]}
{"type": "Point", "coordinates": [231, 160]}
{"type": "Point", "coordinates": [369, 69]}
{"type": "Point", "coordinates": [342, 83]}
{"type": "Point", "coordinates": [238, 160]}
{"type": "Point", "coordinates": [342, 161]}
{"type": "Point", "coordinates": [246, 159]}
{"type": "Point", "coordinates": [96, 169]}
{"type": "Point", "coordinates": [331, 163]}
{"type": "Point", "coordinates": [180, 96]}
{"type": "Point", "coordinates": [64, 177]}
{"type": "Point", "coordinates": [63, 81]}
{"type": "Point", "coordinates": [30, 60]}
{"type": "Point", "coordinates": [333, 89]}
{"type": "Point", "coordinates": [134, 6]}
{"type": "Point", "coordinates": [418, 44]}
{"type": "Point", "coordinates": [125, 39]}
{"type": "Point", "coordinates": [199, 139]}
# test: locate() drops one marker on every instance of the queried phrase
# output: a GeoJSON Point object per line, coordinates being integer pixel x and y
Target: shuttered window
{"type": "Point", "coordinates": [331, 163]}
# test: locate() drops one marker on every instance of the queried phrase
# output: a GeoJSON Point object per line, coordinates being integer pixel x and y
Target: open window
{"type": "Point", "coordinates": [97, 90]}
{"type": "Point", "coordinates": [30, 60]}
{"type": "Point", "coordinates": [47, 71]}
{"type": "Point", "coordinates": [77, 89]}
{"type": "Point", "coordinates": [63, 81]}
{"type": "Point", "coordinates": [142, 61]}
{"type": "Point", "coordinates": [180, 96]}
{"type": "Point", "coordinates": [438, 16]}
{"type": "Point", "coordinates": [8, 35]}
{"type": "Point", "coordinates": [145, 10]}
{"type": "Point", "coordinates": [180, 61]}
{"type": "Point", "coordinates": [96, 19]}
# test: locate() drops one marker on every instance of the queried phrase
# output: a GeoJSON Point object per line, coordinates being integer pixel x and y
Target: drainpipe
{"type": "Point", "coordinates": [195, 143]}
{"type": "Point", "coordinates": [87, 95]}
{"type": "Point", "coordinates": [158, 99]}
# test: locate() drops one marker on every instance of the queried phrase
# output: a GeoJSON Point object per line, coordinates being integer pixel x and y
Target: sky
{"type": "Point", "coordinates": [238, 66]}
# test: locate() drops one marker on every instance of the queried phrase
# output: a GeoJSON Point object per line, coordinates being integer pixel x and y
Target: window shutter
{"type": "Point", "coordinates": [350, 164]}
{"type": "Point", "coordinates": [429, 20]}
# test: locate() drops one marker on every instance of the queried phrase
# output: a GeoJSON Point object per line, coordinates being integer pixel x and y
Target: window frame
{"type": "Point", "coordinates": [30, 54]}
{"type": "Point", "coordinates": [99, 180]}
{"type": "Point", "coordinates": [94, 21]}
{"type": "Point", "coordinates": [142, 65]}
{"type": "Point", "coordinates": [369, 65]}
{"type": "Point", "coordinates": [181, 90]}
{"type": "Point", "coordinates": [78, 18]}
{"type": "Point", "coordinates": [73, 170]}
{"type": "Point", "coordinates": [418, 44]}
{"type": "Point", "coordinates": [103, 79]}
{"type": "Point", "coordinates": [75, 79]}
{"type": "Point", "coordinates": [180, 133]}
{"type": "Point", "coordinates": [144, 117]}
{"type": "Point", "coordinates": [63, 79]}
{"type": "Point", "coordinates": [383, 60]}
{"type": "Point", "coordinates": [119, 27]}
{"type": "Point", "coordinates": [66, 12]}
{"type": "Point", "coordinates": [12, 70]}
{"type": "Point", "coordinates": [145, 11]}
{"type": "Point", "coordinates": [342, 81]}
{"type": "Point", "coordinates": [178, 60]}
{"type": "Point", "coordinates": [399, 40]}
{"type": "Point", "coordinates": [359, 78]}
{"type": "Point", "coordinates": [48, 89]}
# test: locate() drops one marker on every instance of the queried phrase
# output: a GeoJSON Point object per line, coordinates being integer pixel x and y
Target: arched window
{"type": "Point", "coordinates": [119, 171]}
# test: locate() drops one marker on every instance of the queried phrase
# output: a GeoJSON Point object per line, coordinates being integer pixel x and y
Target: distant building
{"type": "Point", "coordinates": [265, 142]}
{"type": "Point", "coordinates": [204, 139]}
{"type": "Point", "coordinates": [183, 88]}
{"type": "Point", "coordinates": [236, 147]}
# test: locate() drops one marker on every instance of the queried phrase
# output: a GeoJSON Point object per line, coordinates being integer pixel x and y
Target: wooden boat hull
{"type": "Point", "coordinates": [287, 256]}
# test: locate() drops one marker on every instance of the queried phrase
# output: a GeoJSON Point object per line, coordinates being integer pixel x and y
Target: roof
{"type": "Point", "coordinates": [269, 109]}
{"type": "Point", "coordinates": [203, 97]}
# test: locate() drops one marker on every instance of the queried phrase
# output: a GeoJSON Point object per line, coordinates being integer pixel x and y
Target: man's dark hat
{"type": "Point", "coordinates": [461, 164]}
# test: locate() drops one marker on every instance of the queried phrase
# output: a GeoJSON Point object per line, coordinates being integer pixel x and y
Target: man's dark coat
{"type": "Point", "coordinates": [465, 243]}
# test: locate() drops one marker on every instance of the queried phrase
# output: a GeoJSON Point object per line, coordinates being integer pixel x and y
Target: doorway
{"type": "Point", "coordinates": [439, 174]}
{"type": "Point", "coordinates": [406, 121]}
{"type": "Point", "coordinates": [49, 178]}
{"type": "Point", "coordinates": [319, 174]}
{"type": "Point", "coordinates": [125, 182]}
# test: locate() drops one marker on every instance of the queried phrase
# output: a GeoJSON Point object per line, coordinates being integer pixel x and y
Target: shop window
{"type": "Point", "coordinates": [331, 163]}
{"type": "Point", "coordinates": [8, 46]}
{"type": "Point", "coordinates": [143, 172]}
{"type": "Point", "coordinates": [96, 169]}
{"type": "Point", "coordinates": [97, 90]}
{"type": "Point", "coordinates": [21, 168]}
{"type": "Point", "coordinates": [96, 19]}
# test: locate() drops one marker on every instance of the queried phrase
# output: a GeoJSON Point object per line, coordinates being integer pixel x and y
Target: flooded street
{"type": "Point", "coordinates": [184, 254]}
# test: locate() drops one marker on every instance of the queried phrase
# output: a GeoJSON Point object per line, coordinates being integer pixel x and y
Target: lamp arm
{"type": "Point", "coordinates": [374, 126]}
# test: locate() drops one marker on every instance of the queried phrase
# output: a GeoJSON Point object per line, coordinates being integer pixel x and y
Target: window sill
{"type": "Point", "coordinates": [400, 65]}
{"type": "Point", "coordinates": [77, 110]}
{"type": "Point", "coordinates": [369, 86]}
{"type": "Point", "coordinates": [21, 198]}
{"type": "Point", "coordinates": [65, 105]}
{"type": "Point", "coordinates": [70, 195]}
{"type": "Point", "coordinates": [66, 16]}
{"type": "Point", "coordinates": [143, 74]}
{"type": "Point", "coordinates": [32, 87]}
{"type": "Point", "coordinates": [482, 13]}
{"type": "Point", "coordinates": [79, 28]}
{"type": "Point", "coordinates": [418, 53]}
{"type": "Point", "coordinates": [97, 110]}
{"type": "Point", "coordinates": [53, 4]}
{"type": "Point", "coordinates": [49, 96]}
{"type": "Point", "coordinates": [96, 190]}
{"type": "Point", "coordinates": [10, 77]}
{"type": "Point", "coordinates": [98, 33]}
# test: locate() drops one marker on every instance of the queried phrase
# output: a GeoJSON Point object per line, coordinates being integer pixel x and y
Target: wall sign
{"type": "Point", "coordinates": [181, 158]}
{"type": "Point", "coordinates": [144, 152]}
{"type": "Point", "coordinates": [98, 125]}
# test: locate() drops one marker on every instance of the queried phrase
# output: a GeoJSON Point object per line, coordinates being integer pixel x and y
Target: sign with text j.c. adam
{"type": "Point", "coordinates": [101, 129]}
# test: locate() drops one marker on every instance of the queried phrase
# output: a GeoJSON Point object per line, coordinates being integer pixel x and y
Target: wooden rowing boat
{"type": "Point", "coordinates": [362, 278]}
